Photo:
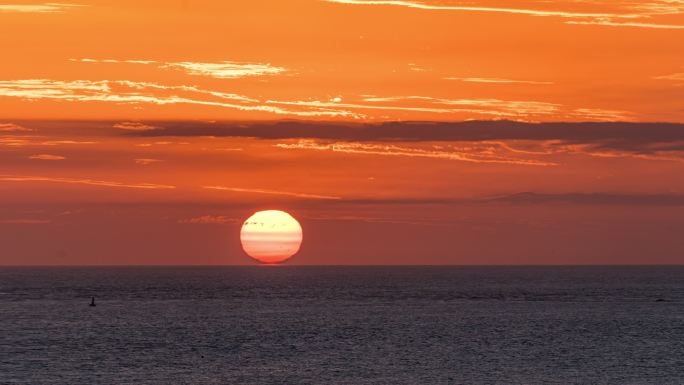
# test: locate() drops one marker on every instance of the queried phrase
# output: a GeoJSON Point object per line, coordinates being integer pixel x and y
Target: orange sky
{"type": "Point", "coordinates": [130, 134]}
{"type": "Point", "coordinates": [343, 59]}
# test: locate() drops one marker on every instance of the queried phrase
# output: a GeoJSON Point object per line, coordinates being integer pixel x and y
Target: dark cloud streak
{"type": "Point", "coordinates": [533, 198]}
{"type": "Point", "coordinates": [598, 198]}
{"type": "Point", "coordinates": [620, 136]}
{"type": "Point", "coordinates": [428, 131]}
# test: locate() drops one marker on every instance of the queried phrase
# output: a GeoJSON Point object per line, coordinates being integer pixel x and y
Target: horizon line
{"type": "Point", "coordinates": [344, 265]}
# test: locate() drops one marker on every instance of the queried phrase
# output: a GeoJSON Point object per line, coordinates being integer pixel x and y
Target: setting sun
{"type": "Point", "coordinates": [271, 236]}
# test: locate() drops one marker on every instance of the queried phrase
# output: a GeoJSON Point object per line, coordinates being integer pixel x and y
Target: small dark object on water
{"type": "Point", "coordinates": [92, 302]}
{"type": "Point", "coordinates": [660, 300]}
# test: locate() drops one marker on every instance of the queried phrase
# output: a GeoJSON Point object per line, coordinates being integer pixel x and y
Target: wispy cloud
{"type": "Point", "coordinates": [113, 61]}
{"type": "Point", "coordinates": [610, 23]}
{"type": "Point", "coordinates": [677, 77]}
{"type": "Point", "coordinates": [624, 15]}
{"type": "Point", "coordinates": [38, 141]}
{"type": "Point", "coordinates": [219, 70]}
{"type": "Point", "coordinates": [498, 106]}
{"type": "Point", "coordinates": [659, 7]}
{"type": "Point", "coordinates": [271, 192]}
{"type": "Point", "coordinates": [136, 93]}
{"type": "Point", "coordinates": [135, 126]}
{"type": "Point", "coordinates": [669, 152]}
{"type": "Point", "coordinates": [601, 115]}
{"type": "Point", "coordinates": [472, 155]}
{"type": "Point", "coordinates": [11, 127]}
{"type": "Point", "coordinates": [147, 161]}
{"type": "Point", "coordinates": [485, 107]}
{"type": "Point", "coordinates": [38, 8]}
{"type": "Point", "coordinates": [226, 69]}
{"type": "Point", "coordinates": [120, 91]}
{"type": "Point", "coordinates": [415, 68]}
{"type": "Point", "coordinates": [520, 11]}
{"type": "Point", "coordinates": [46, 157]}
{"type": "Point", "coordinates": [130, 92]}
{"type": "Point", "coordinates": [209, 220]}
{"type": "Point", "coordinates": [498, 81]}
{"type": "Point", "coordinates": [88, 182]}
{"type": "Point", "coordinates": [358, 106]}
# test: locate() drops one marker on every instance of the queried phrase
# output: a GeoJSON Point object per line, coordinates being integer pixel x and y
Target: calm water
{"type": "Point", "coordinates": [348, 325]}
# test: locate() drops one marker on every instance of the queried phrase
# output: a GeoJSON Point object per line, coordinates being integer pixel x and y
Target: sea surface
{"type": "Point", "coordinates": [342, 325]}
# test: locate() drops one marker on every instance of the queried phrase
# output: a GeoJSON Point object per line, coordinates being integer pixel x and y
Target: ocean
{"type": "Point", "coordinates": [342, 325]}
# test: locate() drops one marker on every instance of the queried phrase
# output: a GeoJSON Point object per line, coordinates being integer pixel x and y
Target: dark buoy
{"type": "Point", "coordinates": [92, 302]}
